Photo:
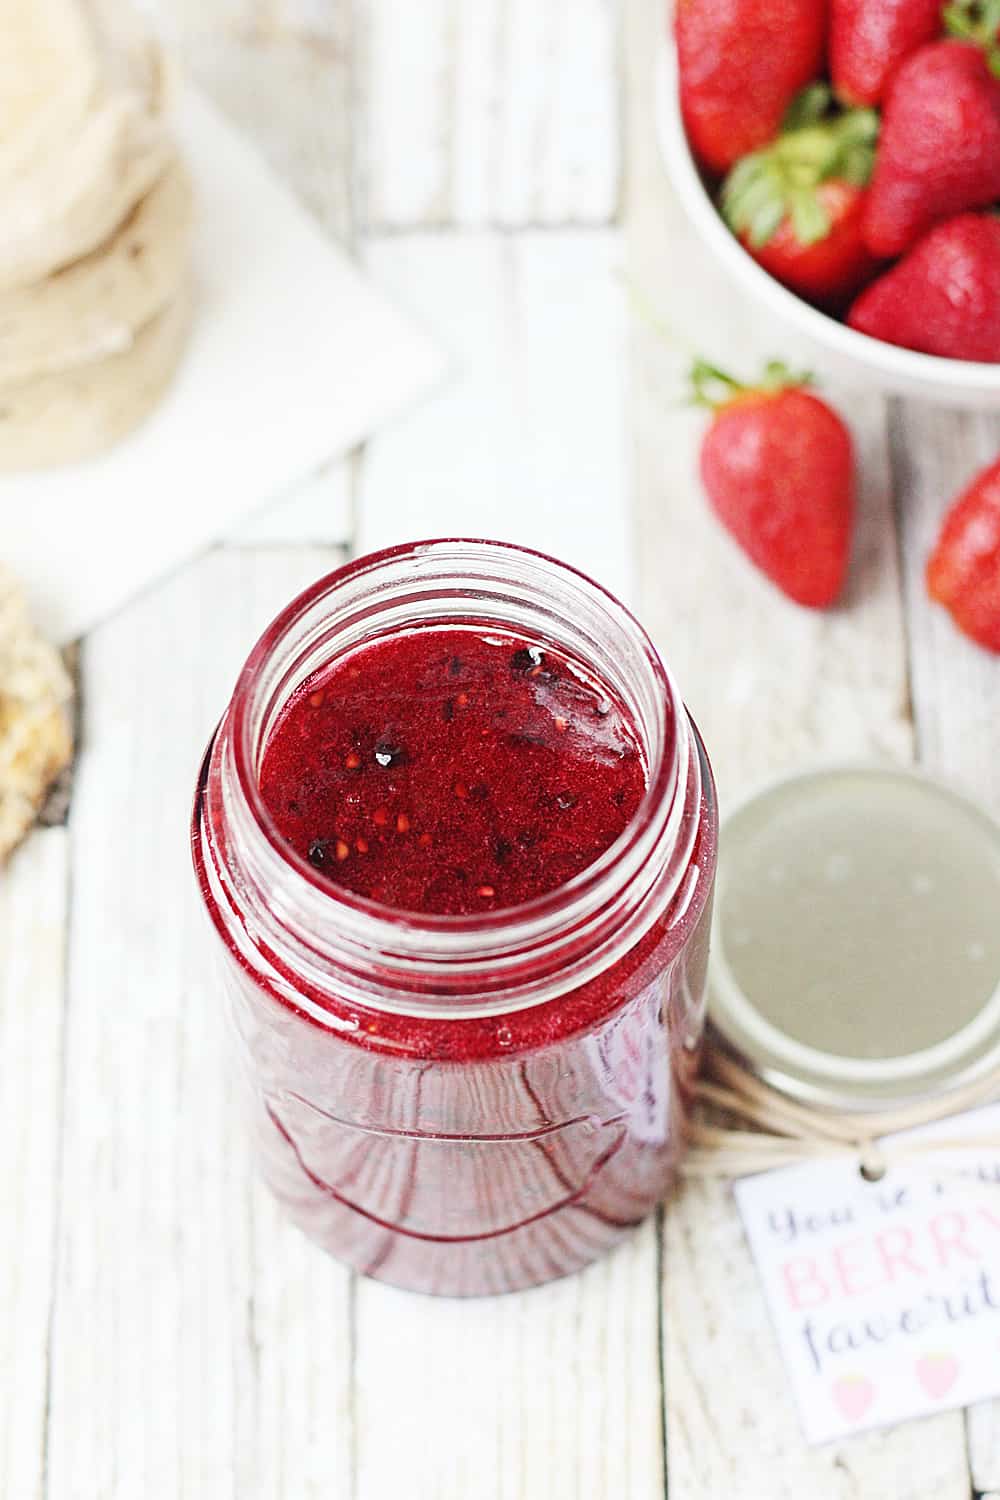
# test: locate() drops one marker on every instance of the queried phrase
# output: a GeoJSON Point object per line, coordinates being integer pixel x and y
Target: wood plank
{"type": "Point", "coordinates": [306, 139]}
{"type": "Point", "coordinates": [983, 1432]}
{"type": "Point", "coordinates": [283, 72]}
{"type": "Point", "coordinates": [199, 1348]}
{"type": "Point", "coordinates": [500, 113]}
{"type": "Point", "coordinates": [527, 442]}
{"type": "Point", "coordinates": [956, 686]}
{"type": "Point", "coordinates": [772, 687]}
{"type": "Point", "coordinates": [549, 1392]}
{"type": "Point", "coordinates": [33, 908]}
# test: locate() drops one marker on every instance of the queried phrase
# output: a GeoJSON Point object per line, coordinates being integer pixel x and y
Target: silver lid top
{"type": "Point", "coordinates": [856, 954]}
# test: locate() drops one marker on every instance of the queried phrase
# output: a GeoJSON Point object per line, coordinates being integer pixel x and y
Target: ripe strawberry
{"type": "Point", "coordinates": [741, 63]}
{"type": "Point", "coordinates": [797, 205]}
{"type": "Point", "coordinates": [939, 152]}
{"type": "Point", "coordinates": [778, 467]}
{"type": "Point", "coordinates": [944, 297]}
{"type": "Point", "coordinates": [870, 38]}
{"type": "Point", "coordinates": [963, 571]}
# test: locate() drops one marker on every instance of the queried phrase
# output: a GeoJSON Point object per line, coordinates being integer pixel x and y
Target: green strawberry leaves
{"type": "Point", "coordinates": [808, 107]}
{"type": "Point", "coordinates": [782, 179]}
{"type": "Point", "coordinates": [714, 388]}
{"type": "Point", "coordinates": [976, 21]}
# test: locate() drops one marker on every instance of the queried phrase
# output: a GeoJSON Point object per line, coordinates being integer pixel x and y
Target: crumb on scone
{"type": "Point", "coordinates": [36, 738]}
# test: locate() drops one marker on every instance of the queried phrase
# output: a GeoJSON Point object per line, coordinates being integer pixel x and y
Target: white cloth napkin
{"type": "Point", "coordinates": [294, 359]}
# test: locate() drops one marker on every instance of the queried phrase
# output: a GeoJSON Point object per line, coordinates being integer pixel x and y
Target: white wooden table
{"type": "Point", "coordinates": [165, 1335]}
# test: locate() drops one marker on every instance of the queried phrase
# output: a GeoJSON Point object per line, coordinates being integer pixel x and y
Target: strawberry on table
{"type": "Point", "coordinates": [963, 571]}
{"type": "Point", "coordinates": [778, 467]}
{"type": "Point", "coordinates": [741, 63]}
{"type": "Point", "coordinates": [870, 38]}
{"type": "Point", "coordinates": [797, 205]}
{"type": "Point", "coordinates": [944, 297]}
{"type": "Point", "coordinates": [939, 151]}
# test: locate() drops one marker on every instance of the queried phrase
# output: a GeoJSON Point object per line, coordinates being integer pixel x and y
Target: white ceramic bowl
{"type": "Point", "coordinates": [837, 349]}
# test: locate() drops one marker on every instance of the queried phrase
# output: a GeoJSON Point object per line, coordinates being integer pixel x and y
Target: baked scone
{"type": "Point", "coordinates": [36, 737]}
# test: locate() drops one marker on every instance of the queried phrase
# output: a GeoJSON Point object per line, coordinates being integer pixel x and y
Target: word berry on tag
{"type": "Point", "coordinates": [885, 1295]}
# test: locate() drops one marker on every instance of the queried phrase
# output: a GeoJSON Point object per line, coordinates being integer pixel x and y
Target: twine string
{"type": "Point", "coordinates": [743, 1125]}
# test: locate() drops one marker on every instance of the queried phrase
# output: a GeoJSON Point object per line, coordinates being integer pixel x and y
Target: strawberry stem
{"type": "Point", "coordinates": [714, 388]}
{"type": "Point", "coordinates": [782, 180]}
{"type": "Point", "coordinates": [705, 380]}
{"type": "Point", "coordinates": [808, 107]}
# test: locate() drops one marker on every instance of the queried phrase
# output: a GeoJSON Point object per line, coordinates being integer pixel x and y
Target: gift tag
{"type": "Point", "coordinates": [885, 1295]}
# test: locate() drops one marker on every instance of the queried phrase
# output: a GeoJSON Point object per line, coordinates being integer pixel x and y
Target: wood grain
{"type": "Point", "coordinates": [956, 686]}
{"type": "Point", "coordinates": [983, 1427]}
{"type": "Point", "coordinates": [34, 892]}
{"type": "Point", "coordinates": [504, 112]}
{"type": "Point", "coordinates": [551, 1392]}
{"type": "Point", "coordinates": [283, 70]}
{"type": "Point", "coordinates": [196, 1348]}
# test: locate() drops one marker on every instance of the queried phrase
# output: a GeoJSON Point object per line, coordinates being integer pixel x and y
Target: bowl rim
{"type": "Point", "coordinates": [890, 359]}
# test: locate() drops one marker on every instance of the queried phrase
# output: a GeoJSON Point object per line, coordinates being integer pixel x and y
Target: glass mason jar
{"type": "Point", "coordinates": [464, 1104]}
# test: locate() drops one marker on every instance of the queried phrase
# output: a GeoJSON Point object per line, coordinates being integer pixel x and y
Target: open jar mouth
{"type": "Point", "coordinates": [482, 584]}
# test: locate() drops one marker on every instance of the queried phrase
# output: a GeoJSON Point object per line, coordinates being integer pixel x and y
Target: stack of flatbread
{"type": "Point", "coordinates": [95, 229]}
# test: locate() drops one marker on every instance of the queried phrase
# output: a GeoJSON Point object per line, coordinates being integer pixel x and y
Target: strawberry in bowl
{"type": "Point", "coordinates": [798, 204]}
{"type": "Point", "coordinates": [894, 138]}
{"type": "Point", "coordinates": [944, 296]}
{"type": "Point", "coordinates": [741, 64]}
{"type": "Point", "coordinates": [870, 38]}
{"type": "Point", "coordinates": [939, 152]}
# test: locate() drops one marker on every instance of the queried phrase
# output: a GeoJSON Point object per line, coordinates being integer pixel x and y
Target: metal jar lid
{"type": "Point", "coordinates": [856, 951]}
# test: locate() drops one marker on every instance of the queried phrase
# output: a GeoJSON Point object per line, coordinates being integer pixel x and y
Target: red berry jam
{"type": "Point", "coordinates": [451, 1090]}
{"type": "Point", "coordinates": [452, 772]}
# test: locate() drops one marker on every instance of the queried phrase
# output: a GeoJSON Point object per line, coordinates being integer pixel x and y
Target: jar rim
{"type": "Point", "coordinates": [662, 777]}
{"type": "Point", "coordinates": [393, 959]}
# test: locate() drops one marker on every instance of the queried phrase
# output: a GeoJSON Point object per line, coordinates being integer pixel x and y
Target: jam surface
{"type": "Point", "coordinates": [452, 770]}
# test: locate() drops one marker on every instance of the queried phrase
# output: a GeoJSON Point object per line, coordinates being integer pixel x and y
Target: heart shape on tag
{"type": "Point", "coordinates": [852, 1395]}
{"type": "Point", "coordinates": [937, 1373]}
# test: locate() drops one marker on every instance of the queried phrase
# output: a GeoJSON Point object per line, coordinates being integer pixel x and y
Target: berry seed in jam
{"type": "Point", "coordinates": [452, 770]}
